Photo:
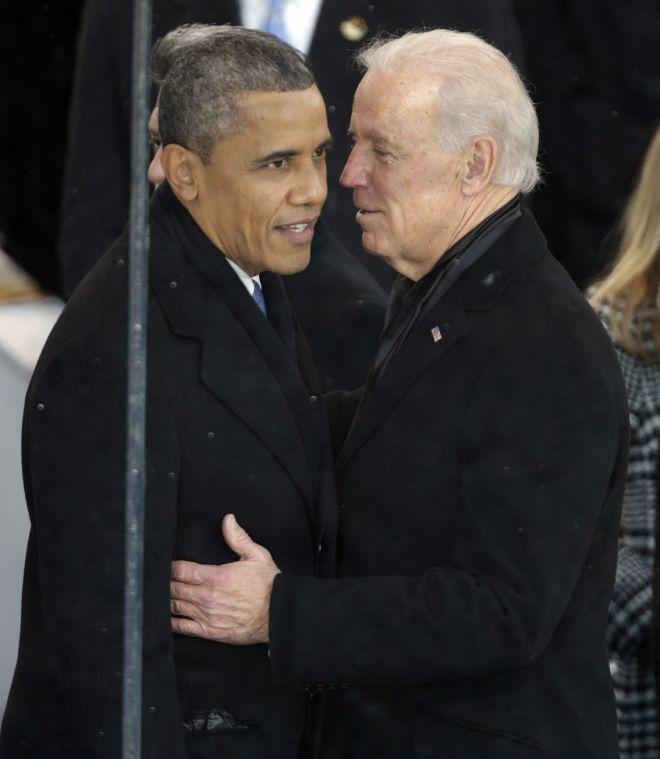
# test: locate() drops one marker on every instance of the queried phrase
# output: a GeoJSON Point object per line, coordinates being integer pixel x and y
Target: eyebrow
{"type": "Point", "coordinates": [377, 138]}
{"type": "Point", "coordinates": [278, 155]}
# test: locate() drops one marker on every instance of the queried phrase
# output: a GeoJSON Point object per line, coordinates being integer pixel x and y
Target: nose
{"type": "Point", "coordinates": [355, 171]}
{"type": "Point", "coordinates": [311, 189]}
{"type": "Point", "coordinates": [156, 174]}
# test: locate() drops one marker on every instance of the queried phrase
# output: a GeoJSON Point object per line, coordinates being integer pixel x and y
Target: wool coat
{"type": "Point", "coordinates": [234, 424]}
{"type": "Point", "coordinates": [480, 487]}
{"type": "Point", "coordinates": [633, 623]}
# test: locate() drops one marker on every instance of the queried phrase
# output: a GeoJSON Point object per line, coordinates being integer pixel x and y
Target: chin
{"type": "Point", "coordinates": [294, 264]}
{"type": "Point", "coordinates": [371, 246]}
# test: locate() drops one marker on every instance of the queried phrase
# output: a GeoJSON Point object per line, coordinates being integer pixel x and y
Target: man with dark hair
{"type": "Point", "coordinates": [233, 417]}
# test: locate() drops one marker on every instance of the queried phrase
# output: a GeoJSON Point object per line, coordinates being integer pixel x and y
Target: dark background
{"type": "Point", "coordinates": [592, 66]}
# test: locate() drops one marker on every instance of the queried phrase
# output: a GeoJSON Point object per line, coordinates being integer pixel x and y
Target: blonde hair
{"type": "Point", "coordinates": [632, 288]}
{"type": "Point", "coordinates": [479, 92]}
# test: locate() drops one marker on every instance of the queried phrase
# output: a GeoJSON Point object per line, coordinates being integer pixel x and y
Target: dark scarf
{"type": "Point", "coordinates": [409, 300]}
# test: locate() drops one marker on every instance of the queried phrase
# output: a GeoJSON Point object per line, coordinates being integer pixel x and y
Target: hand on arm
{"type": "Point", "coordinates": [227, 603]}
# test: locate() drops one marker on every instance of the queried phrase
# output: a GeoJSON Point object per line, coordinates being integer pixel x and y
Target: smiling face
{"type": "Point", "coordinates": [407, 189]}
{"type": "Point", "coordinates": [262, 192]}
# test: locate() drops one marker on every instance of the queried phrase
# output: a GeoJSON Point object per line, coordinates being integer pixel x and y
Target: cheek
{"type": "Point", "coordinates": [266, 211]}
{"type": "Point", "coordinates": [252, 216]}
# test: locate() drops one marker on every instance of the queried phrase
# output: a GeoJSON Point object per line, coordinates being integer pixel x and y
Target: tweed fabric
{"type": "Point", "coordinates": [631, 609]}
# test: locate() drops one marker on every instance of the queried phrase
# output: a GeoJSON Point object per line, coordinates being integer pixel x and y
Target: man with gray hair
{"type": "Point", "coordinates": [482, 476]}
{"type": "Point", "coordinates": [234, 422]}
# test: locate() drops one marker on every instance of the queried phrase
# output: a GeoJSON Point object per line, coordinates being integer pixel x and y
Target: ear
{"type": "Point", "coordinates": [479, 164]}
{"type": "Point", "coordinates": [180, 167]}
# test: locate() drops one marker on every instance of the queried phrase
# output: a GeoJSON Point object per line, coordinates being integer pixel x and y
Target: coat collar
{"type": "Point", "coordinates": [484, 283]}
{"type": "Point", "coordinates": [248, 362]}
{"type": "Point", "coordinates": [445, 324]}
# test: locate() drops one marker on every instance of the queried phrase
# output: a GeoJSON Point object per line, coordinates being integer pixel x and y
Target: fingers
{"type": "Point", "coordinates": [237, 539]}
{"type": "Point", "coordinates": [184, 626]}
{"type": "Point", "coordinates": [184, 609]}
{"type": "Point", "coordinates": [182, 592]}
{"type": "Point", "coordinates": [241, 543]}
{"type": "Point", "coordinates": [188, 571]}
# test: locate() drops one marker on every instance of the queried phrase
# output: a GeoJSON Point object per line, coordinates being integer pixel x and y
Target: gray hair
{"type": "Point", "coordinates": [479, 93]}
{"type": "Point", "coordinates": [203, 68]}
{"type": "Point", "coordinates": [168, 48]}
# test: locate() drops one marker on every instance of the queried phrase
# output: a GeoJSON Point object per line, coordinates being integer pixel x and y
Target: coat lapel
{"type": "Point", "coordinates": [238, 371]}
{"type": "Point", "coordinates": [244, 361]}
{"type": "Point", "coordinates": [478, 289]}
{"type": "Point", "coordinates": [430, 338]}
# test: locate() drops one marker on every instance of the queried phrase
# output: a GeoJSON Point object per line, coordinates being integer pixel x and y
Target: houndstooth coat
{"type": "Point", "coordinates": [631, 610]}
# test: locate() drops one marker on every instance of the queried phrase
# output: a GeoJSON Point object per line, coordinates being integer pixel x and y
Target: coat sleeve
{"type": "Point", "coordinates": [74, 451]}
{"type": "Point", "coordinates": [538, 458]}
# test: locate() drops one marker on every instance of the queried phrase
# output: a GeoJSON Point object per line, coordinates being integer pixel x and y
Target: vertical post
{"type": "Point", "coordinates": [137, 382]}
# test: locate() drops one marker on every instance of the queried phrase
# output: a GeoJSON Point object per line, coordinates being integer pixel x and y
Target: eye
{"type": "Point", "coordinates": [156, 144]}
{"type": "Point", "coordinates": [321, 152]}
{"type": "Point", "coordinates": [279, 163]}
{"type": "Point", "coordinates": [383, 156]}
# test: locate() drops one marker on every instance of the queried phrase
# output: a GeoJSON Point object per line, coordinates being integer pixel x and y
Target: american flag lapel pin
{"type": "Point", "coordinates": [436, 334]}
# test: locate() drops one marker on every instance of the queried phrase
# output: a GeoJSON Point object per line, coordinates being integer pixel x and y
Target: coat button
{"type": "Point", "coordinates": [40, 407]}
{"type": "Point", "coordinates": [313, 398]}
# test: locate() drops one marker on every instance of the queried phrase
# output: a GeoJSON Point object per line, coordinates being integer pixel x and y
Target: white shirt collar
{"type": "Point", "coordinates": [246, 279]}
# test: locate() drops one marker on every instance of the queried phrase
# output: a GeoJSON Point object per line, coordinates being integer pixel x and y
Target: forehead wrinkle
{"type": "Point", "coordinates": [376, 135]}
{"type": "Point", "coordinates": [382, 138]}
{"type": "Point", "coordinates": [390, 103]}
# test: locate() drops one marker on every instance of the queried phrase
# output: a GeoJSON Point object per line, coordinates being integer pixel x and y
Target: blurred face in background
{"type": "Point", "coordinates": [155, 174]}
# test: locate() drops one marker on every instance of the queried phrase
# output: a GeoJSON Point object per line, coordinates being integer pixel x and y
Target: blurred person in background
{"type": "Point", "coordinates": [593, 65]}
{"type": "Point", "coordinates": [628, 302]}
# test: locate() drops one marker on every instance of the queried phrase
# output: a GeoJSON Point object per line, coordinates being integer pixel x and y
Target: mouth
{"type": "Point", "coordinates": [300, 232]}
{"type": "Point", "coordinates": [364, 213]}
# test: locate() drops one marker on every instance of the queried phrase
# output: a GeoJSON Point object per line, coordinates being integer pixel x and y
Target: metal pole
{"type": "Point", "coordinates": [137, 384]}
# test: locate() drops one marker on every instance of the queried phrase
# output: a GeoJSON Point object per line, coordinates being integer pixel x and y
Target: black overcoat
{"type": "Point", "coordinates": [481, 489]}
{"type": "Point", "coordinates": [234, 424]}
